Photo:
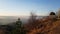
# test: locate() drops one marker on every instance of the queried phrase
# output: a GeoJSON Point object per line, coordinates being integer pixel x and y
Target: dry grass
{"type": "Point", "coordinates": [48, 27]}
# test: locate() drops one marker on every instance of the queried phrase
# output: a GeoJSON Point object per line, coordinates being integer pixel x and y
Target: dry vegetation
{"type": "Point", "coordinates": [47, 25]}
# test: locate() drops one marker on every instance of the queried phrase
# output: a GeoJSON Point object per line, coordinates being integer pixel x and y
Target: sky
{"type": "Point", "coordinates": [24, 7]}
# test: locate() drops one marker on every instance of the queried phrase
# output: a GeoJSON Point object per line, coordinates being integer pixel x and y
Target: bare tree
{"type": "Point", "coordinates": [58, 13]}
{"type": "Point", "coordinates": [32, 17]}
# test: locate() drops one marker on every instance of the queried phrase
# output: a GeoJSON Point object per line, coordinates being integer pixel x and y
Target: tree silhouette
{"type": "Point", "coordinates": [52, 13]}
{"type": "Point", "coordinates": [18, 25]}
{"type": "Point", "coordinates": [53, 16]}
{"type": "Point", "coordinates": [32, 18]}
{"type": "Point", "coordinates": [58, 13]}
{"type": "Point", "coordinates": [19, 28]}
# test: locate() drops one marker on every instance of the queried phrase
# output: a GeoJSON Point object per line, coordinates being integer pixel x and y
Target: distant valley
{"type": "Point", "coordinates": [11, 19]}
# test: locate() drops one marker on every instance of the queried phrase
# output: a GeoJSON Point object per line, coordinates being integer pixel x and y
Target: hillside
{"type": "Point", "coordinates": [50, 27]}
{"type": "Point", "coordinates": [56, 28]}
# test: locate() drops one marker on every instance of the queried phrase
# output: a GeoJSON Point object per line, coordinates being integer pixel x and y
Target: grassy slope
{"type": "Point", "coordinates": [50, 28]}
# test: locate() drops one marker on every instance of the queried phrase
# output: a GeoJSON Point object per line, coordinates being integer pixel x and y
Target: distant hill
{"type": "Point", "coordinates": [10, 19]}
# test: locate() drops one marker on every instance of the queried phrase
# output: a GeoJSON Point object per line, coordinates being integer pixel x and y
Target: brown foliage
{"type": "Point", "coordinates": [41, 26]}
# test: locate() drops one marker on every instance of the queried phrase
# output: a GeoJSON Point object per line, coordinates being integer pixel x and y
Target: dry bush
{"type": "Point", "coordinates": [41, 26]}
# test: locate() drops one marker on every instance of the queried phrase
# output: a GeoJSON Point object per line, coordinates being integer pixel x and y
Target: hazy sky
{"type": "Point", "coordinates": [24, 7]}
